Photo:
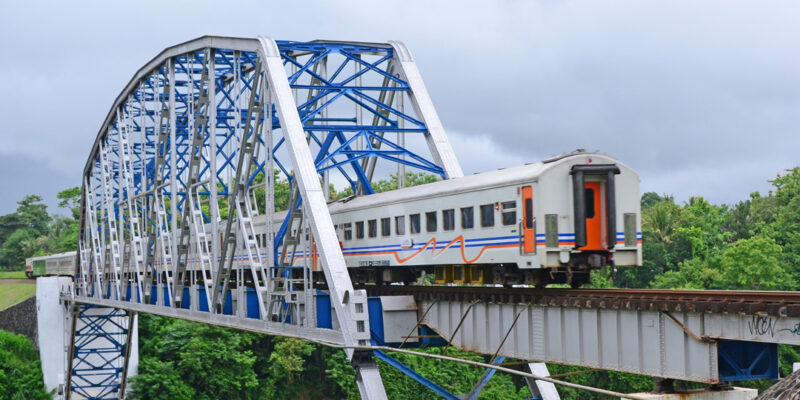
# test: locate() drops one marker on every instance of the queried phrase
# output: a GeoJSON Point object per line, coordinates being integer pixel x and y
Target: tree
{"type": "Point", "coordinates": [33, 213]}
{"type": "Point", "coordinates": [754, 264]}
{"type": "Point", "coordinates": [71, 199]}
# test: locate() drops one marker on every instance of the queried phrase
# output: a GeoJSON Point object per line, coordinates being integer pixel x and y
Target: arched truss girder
{"type": "Point", "coordinates": [200, 128]}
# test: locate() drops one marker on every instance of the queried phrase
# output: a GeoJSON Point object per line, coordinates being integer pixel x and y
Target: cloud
{"type": "Point", "coordinates": [673, 88]}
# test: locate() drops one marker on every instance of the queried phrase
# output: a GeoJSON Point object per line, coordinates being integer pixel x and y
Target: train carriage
{"type": "Point", "coordinates": [548, 222]}
{"type": "Point", "coordinates": [50, 265]}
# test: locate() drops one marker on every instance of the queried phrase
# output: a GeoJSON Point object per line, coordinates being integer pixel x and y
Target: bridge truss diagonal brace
{"type": "Point", "coordinates": [314, 203]}
{"type": "Point", "coordinates": [439, 145]}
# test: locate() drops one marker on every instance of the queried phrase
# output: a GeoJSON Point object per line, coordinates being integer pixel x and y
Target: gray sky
{"type": "Point", "coordinates": [702, 98]}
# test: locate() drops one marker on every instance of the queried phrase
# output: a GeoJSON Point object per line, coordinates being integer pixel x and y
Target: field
{"type": "Point", "coordinates": [13, 293]}
{"type": "Point", "coordinates": [12, 275]}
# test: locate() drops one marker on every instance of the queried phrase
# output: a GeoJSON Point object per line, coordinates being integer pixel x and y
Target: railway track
{"type": "Point", "coordinates": [778, 304]}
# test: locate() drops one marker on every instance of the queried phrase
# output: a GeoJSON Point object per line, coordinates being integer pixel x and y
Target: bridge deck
{"type": "Point", "coordinates": [690, 335]}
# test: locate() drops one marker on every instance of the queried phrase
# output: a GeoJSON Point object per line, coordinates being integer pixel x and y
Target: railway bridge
{"type": "Point", "coordinates": [183, 164]}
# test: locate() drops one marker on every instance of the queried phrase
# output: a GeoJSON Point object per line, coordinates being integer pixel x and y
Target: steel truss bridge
{"type": "Point", "coordinates": [187, 154]}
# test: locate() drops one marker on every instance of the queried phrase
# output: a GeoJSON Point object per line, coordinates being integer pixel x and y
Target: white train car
{"type": "Point", "coordinates": [50, 265]}
{"type": "Point", "coordinates": [548, 222]}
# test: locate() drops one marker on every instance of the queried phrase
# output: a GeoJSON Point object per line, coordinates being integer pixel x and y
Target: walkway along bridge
{"type": "Point", "coordinates": [185, 156]}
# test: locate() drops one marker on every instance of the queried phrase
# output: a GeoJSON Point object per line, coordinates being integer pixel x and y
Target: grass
{"type": "Point", "coordinates": [12, 275]}
{"type": "Point", "coordinates": [13, 293]}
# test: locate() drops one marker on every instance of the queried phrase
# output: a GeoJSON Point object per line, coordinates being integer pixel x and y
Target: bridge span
{"type": "Point", "coordinates": [178, 218]}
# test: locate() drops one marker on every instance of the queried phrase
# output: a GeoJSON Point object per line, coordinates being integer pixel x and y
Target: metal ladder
{"type": "Point", "coordinates": [201, 242]}
{"type": "Point", "coordinates": [136, 246]}
{"type": "Point", "coordinates": [97, 253]}
{"type": "Point", "coordinates": [244, 212]}
{"type": "Point", "coordinates": [116, 256]}
{"type": "Point", "coordinates": [165, 242]}
{"type": "Point", "coordinates": [285, 296]}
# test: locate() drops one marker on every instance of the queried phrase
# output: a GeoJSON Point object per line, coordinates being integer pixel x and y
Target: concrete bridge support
{"type": "Point", "coordinates": [86, 351]}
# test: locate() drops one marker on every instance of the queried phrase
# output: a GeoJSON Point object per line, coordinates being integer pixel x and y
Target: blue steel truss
{"type": "Point", "coordinates": [99, 352]}
{"type": "Point", "coordinates": [351, 115]}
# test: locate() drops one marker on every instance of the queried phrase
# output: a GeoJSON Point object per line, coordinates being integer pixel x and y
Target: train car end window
{"type": "Point", "coordinates": [449, 220]}
{"type": "Point", "coordinates": [430, 221]}
{"type": "Point", "coordinates": [348, 231]}
{"type": "Point", "coordinates": [468, 217]}
{"type": "Point", "coordinates": [386, 226]}
{"type": "Point", "coordinates": [629, 222]}
{"type": "Point", "coordinates": [415, 223]}
{"type": "Point", "coordinates": [372, 228]}
{"type": "Point", "coordinates": [509, 212]}
{"type": "Point", "coordinates": [400, 225]}
{"type": "Point", "coordinates": [487, 215]}
{"type": "Point", "coordinates": [550, 230]}
{"type": "Point", "coordinates": [360, 230]}
{"type": "Point", "coordinates": [589, 203]}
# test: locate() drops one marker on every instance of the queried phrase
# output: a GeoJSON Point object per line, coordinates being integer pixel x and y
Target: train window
{"type": "Point", "coordinates": [415, 225]}
{"type": "Point", "coordinates": [629, 220]}
{"type": "Point", "coordinates": [430, 221]}
{"type": "Point", "coordinates": [467, 217]}
{"type": "Point", "coordinates": [372, 228]}
{"type": "Point", "coordinates": [509, 212]}
{"type": "Point", "coordinates": [529, 213]}
{"type": "Point", "coordinates": [348, 231]}
{"type": "Point", "coordinates": [589, 203]}
{"type": "Point", "coordinates": [448, 220]}
{"type": "Point", "coordinates": [400, 225]}
{"type": "Point", "coordinates": [386, 226]}
{"type": "Point", "coordinates": [360, 230]}
{"type": "Point", "coordinates": [551, 230]}
{"type": "Point", "coordinates": [487, 215]}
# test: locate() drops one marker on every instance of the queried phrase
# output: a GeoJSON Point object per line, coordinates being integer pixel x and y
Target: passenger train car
{"type": "Point", "coordinates": [548, 222]}
{"type": "Point", "coordinates": [50, 265]}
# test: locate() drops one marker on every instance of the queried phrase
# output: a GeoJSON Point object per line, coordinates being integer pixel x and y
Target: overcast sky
{"type": "Point", "coordinates": [702, 98]}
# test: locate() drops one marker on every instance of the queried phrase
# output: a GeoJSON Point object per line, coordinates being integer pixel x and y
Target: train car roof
{"type": "Point", "coordinates": [479, 181]}
{"type": "Point", "coordinates": [49, 256]}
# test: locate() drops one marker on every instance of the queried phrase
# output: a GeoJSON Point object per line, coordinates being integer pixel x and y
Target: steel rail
{"type": "Point", "coordinates": [779, 304]}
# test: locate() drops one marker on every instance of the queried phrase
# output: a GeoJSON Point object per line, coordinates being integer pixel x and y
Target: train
{"type": "Point", "coordinates": [50, 265]}
{"type": "Point", "coordinates": [548, 222]}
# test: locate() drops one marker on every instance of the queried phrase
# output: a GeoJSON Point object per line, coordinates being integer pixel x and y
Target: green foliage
{"type": "Point", "coordinates": [32, 231]}
{"type": "Point", "coordinates": [610, 380]}
{"type": "Point", "coordinates": [455, 377]}
{"type": "Point", "coordinates": [71, 200]}
{"type": "Point", "coordinates": [20, 372]}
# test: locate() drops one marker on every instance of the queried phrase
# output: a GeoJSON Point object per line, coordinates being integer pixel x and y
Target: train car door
{"type": "Point", "coordinates": [528, 227]}
{"type": "Point", "coordinates": [594, 217]}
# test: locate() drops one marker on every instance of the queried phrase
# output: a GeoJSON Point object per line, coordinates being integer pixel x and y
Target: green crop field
{"type": "Point", "coordinates": [13, 293]}
{"type": "Point", "coordinates": [12, 275]}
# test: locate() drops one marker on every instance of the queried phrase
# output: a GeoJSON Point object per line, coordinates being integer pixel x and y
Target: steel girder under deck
{"type": "Point", "coordinates": [182, 169]}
